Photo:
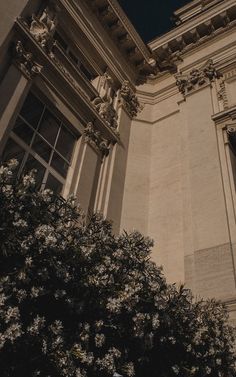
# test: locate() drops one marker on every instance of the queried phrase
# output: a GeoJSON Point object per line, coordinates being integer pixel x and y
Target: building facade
{"type": "Point", "coordinates": [146, 134]}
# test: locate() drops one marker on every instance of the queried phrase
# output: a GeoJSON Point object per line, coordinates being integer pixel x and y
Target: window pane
{"type": "Point", "coordinates": [73, 57]}
{"type": "Point", "coordinates": [32, 110]}
{"type": "Point", "coordinates": [53, 184]}
{"type": "Point", "coordinates": [23, 130]}
{"type": "Point", "coordinates": [49, 127]}
{"type": "Point", "coordinates": [32, 163]}
{"type": "Point", "coordinates": [86, 72]}
{"type": "Point", "coordinates": [60, 40]}
{"type": "Point", "coordinates": [42, 148]}
{"type": "Point", "coordinates": [65, 143]}
{"type": "Point", "coordinates": [13, 150]}
{"type": "Point", "coordinates": [59, 164]}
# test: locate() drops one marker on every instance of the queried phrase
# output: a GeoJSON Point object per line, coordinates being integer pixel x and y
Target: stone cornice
{"type": "Point", "coordinates": [80, 14]}
{"type": "Point", "coordinates": [197, 30]}
{"type": "Point", "coordinates": [114, 20]}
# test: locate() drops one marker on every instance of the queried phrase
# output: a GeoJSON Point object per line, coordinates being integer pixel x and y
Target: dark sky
{"type": "Point", "coordinates": [151, 17]}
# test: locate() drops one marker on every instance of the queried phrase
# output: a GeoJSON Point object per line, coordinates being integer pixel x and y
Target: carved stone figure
{"type": "Point", "coordinates": [43, 28]}
{"type": "Point", "coordinates": [25, 61]}
{"type": "Point", "coordinates": [130, 100]}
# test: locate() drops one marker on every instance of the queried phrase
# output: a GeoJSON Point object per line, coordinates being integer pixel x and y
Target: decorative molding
{"type": "Point", "coordinates": [222, 95]}
{"type": "Point", "coordinates": [129, 99]}
{"type": "Point", "coordinates": [196, 78]}
{"type": "Point", "coordinates": [93, 137]}
{"type": "Point", "coordinates": [25, 61]}
{"type": "Point", "coordinates": [106, 112]}
{"type": "Point", "coordinates": [42, 28]}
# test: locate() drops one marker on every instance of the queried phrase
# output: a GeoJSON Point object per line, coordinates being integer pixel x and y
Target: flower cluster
{"type": "Point", "coordinates": [77, 301]}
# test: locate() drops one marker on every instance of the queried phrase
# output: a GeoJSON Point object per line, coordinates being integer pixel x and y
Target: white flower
{"type": "Point", "coordinates": [99, 340]}
{"type": "Point", "coordinates": [36, 326]}
{"type": "Point", "coordinates": [155, 322]}
{"type": "Point", "coordinates": [208, 370]}
{"type": "Point", "coordinates": [12, 313]}
{"type": "Point", "coordinates": [129, 369]}
{"type": "Point", "coordinates": [175, 369]}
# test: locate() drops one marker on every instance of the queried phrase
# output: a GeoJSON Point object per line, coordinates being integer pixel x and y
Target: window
{"type": "Point", "coordinates": [74, 58]}
{"type": "Point", "coordinates": [39, 140]}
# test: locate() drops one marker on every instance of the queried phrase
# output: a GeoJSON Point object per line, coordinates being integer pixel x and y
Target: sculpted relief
{"type": "Point", "coordinates": [42, 28]}
{"type": "Point", "coordinates": [129, 99]}
{"type": "Point", "coordinates": [25, 61]}
{"type": "Point", "coordinates": [196, 77]}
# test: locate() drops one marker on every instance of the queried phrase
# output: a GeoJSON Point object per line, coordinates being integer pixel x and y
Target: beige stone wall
{"type": "Point", "coordinates": [135, 209]}
{"type": "Point", "coordinates": [175, 171]}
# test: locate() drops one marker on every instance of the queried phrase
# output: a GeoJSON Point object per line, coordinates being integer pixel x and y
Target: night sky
{"type": "Point", "coordinates": [151, 18]}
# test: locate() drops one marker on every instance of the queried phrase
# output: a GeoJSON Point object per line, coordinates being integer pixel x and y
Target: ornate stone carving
{"type": "Point", "coordinates": [130, 100]}
{"type": "Point", "coordinates": [106, 112]}
{"type": "Point", "coordinates": [42, 28]}
{"type": "Point", "coordinates": [94, 137]}
{"type": "Point", "coordinates": [196, 77]}
{"type": "Point", "coordinates": [25, 61]}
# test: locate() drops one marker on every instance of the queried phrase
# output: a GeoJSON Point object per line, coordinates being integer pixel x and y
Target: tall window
{"type": "Point", "coordinates": [39, 140]}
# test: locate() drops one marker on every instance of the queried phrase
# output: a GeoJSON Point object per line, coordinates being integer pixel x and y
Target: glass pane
{"type": "Point", "coordinates": [32, 110]}
{"type": "Point", "coordinates": [32, 163]}
{"type": "Point", "coordinates": [65, 143]}
{"type": "Point", "coordinates": [49, 127]}
{"type": "Point", "coordinates": [53, 184]}
{"type": "Point", "coordinates": [73, 57]}
{"type": "Point", "coordinates": [23, 130]}
{"type": "Point", "coordinates": [13, 150]}
{"type": "Point", "coordinates": [86, 72]}
{"type": "Point", "coordinates": [42, 148]}
{"type": "Point", "coordinates": [59, 164]}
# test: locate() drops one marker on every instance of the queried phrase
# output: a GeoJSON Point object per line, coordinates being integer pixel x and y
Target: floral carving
{"type": "Point", "coordinates": [93, 136]}
{"type": "Point", "coordinates": [42, 28]}
{"type": "Point", "coordinates": [25, 61]}
{"type": "Point", "coordinates": [130, 100]}
{"type": "Point", "coordinates": [196, 77]}
{"type": "Point", "coordinates": [106, 112]}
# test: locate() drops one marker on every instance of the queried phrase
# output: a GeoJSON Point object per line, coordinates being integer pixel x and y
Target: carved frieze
{"type": "Point", "coordinates": [43, 27]}
{"type": "Point", "coordinates": [106, 112]}
{"type": "Point", "coordinates": [196, 77]}
{"type": "Point", "coordinates": [129, 99]}
{"type": "Point", "coordinates": [25, 61]}
{"type": "Point", "coordinates": [94, 137]}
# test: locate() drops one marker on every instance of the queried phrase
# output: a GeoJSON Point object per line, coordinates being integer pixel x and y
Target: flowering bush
{"type": "Point", "coordinates": [75, 300]}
